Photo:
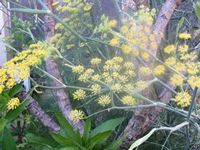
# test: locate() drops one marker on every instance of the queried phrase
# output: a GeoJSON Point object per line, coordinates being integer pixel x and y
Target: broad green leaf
{"type": "Point", "coordinates": [99, 138]}
{"type": "Point", "coordinates": [3, 123]}
{"type": "Point", "coordinates": [86, 132]}
{"type": "Point", "coordinates": [197, 9]}
{"type": "Point", "coordinates": [15, 90]}
{"type": "Point", "coordinates": [62, 140]}
{"type": "Point", "coordinates": [8, 142]}
{"type": "Point", "coordinates": [34, 139]}
{"type": "Point", "coordinates": [12, 114]}
{"type": "Point", "coordinates": [107, 126]}
{"type": "Point", "coordinates": [142, 140]}
{"type": "Point", "coordinates": [69, 130]}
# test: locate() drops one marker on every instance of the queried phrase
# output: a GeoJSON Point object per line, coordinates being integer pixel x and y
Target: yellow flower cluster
{"type": "Point", "coordinates": [104, 100]}
{"type": "Point", "coordinates": [183, 99]}
{"type": "Point", "coordinates": [184, 36]}
{"type": "Point", "coordinates": [18, 68]}
{"type": "Point", "coordinates": [128, 100]}
{"type": "Point", "coordinates": [79, 94]}
{"type": "Point", "coordinates": [135, 36]}
{"type": "Point", "coordinates": [13, 103]}
{"type": "Point", "coordinates": [76, 115]}
{"type": "Point", "coordinates": [114, 75]}
{"type": "Point", "coordinates": [95, 61]}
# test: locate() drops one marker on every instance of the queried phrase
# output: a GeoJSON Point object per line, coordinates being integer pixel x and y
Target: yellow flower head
{"type": "Point", "coordinates": [169, 49]}
{"type": "Point", "coordinates": [180, 67]}
{"type": "Point", "coordinates": [177, 79]}
{"type": "Point", "coordinates": [114, 41]}
{"type": "Point", "coordinates": [95, 61]}
{"type": "Point", "coordinates": [11, 83]}
{"type": "Point", "coordinates": [79, 94]}
{"type": "Point", "coordinates": [76, 115]}
{"type": "Point", "coordinates": [194, 81]}
{"type": "Point", "coordinates": [159, 70]}
{"type": "Point", "coordinates": [145, 56]}
{"type": "Point", "coordinates": [78, 69]}
{"type": "Point", "coordinates": [126, 49]}
{"type": "Point", "coordinates": [104, 100]}
{"type": "Point", "coordinates": [96, 89]}
{"type": "Point", "coordinates": [124, 29]}
{"type": "Point", "coordinates": [184, 36]}
{"type": "Point", "coordinates": [183, 99]}
{"type": "Point", "coordinates": [3, 76]}
{"type": "Point", "coordinates": [112, 23]}
{"type": "Point", "coordinates": [13, 103]}
{"type": "Point", "coordinates": [183, 48]}
{"type": "Point", "coordinates": [128, 100]}
{"type": "Point", "coordinates": [129, 65]}
{"type": "Point", "coordinates": [116, 87]}
{"type": "Point", "coordinates": [170, 61]}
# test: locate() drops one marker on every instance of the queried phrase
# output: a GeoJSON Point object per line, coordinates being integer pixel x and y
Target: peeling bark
{"type": "Point", "coordinates": [143, 118]}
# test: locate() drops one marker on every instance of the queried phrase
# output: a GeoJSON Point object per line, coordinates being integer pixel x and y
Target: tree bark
{"type": "Point", "coordinates": [143, 118]}
{"type": "Point", "coordinates": [35, 109]}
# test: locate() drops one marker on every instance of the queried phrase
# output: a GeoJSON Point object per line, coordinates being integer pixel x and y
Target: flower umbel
{"type": "Point", "coordinates": [183, 99]}
{"type": "Point", "coordinates": [76, 115]}
{"type": "Point", "coordinates": [13, 103]}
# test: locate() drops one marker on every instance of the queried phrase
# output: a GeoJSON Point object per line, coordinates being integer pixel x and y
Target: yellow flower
{"type": "Point", "coordinates": [128, 100]}
{"type": "Point", "coordinates": [170, 61]}
{"type": "Point", "coordinates": [158, 70]}
{"type": "Point", "coordinates": [79, 94]}
{"type": "Point", "coordinates": [95, 61]}
{"type": "Point", "coordinates": [126, 49]}
{"type": "Point", "coordinates": [183, 48]}
{"type": "Point", "coordinates": [129, 65]}
{"type": "Point", "coordinates": [13, 103]}
{"type": "Point", "coordinates": [96, 89]}
{"type": "Point", "coordinates": [3, 76]}
{"type": "Point", "coordinates": [1, 88]}
{"type": "Point", "coordinates": [192, 68]}
{"type": "Point", "coordinates": [104, 100]}
{"type": "Point", "coordinates": [145, 56]}
{"type": "Point", "coordinates": [116, 87]}
{"type": "Point", "coordinates": [76, 115]}
{"type": "Point", "coordinates": [112, 23]}
{"type": "Point", "coordinates": [11, 83]}
{"type": "Point", "coordinates": [183, 99]}
{"type": "Point", "coordinates": [180, 67]}
{"type": "Point", "coordinates": [117, 59]}
{"type": "Point", "coordinates": [95, 77]}
{"type": "Point", "coordinates": [114, 41]}
{"type": "Point", "coordinates": [169, 49]}
{"type": "Point", "coordinates": [194, 81]}
{"type": "Point", "coordinates": [78, 69]}
{"type": "Point", "coordinates": [124, 29]}
{"type": "Point", "coordinates": [184, 36]}
{"type": "Point", "coordinates": [177, 79]}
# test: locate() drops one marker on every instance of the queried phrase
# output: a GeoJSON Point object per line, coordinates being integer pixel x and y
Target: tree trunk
{"type": "Point", "coordinates": [143, 118]}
